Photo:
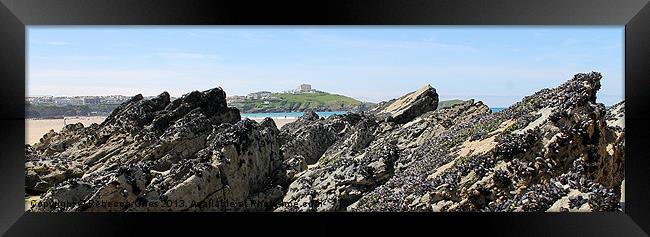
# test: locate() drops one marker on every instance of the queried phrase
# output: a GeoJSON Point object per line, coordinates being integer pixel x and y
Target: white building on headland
{"type": "Point", "coordinates": [304, 88]}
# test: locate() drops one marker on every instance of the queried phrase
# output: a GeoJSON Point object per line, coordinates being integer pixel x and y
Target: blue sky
{"type": "Point", "coordinates": [497, 65]}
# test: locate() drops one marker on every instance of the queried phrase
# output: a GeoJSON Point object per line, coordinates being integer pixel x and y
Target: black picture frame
{"type": "Point", "coordinates": [16, 15]}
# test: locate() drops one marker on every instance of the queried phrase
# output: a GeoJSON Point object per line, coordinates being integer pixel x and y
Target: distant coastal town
{"type": "Point", "coordinates": [267, 96]}
{"type": "Point", "coordinates": [79, 100]}
{"type": "Point", "coordinates": [300, 99]}
{"type": "Point", "coordinates": [61, 106]}
{"type": "Point", "coordinates": [118, 99]}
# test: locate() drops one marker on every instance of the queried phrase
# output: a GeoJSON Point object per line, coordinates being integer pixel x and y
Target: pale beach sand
{"type": "Point", "coordinates": [36, 128]}
{"type": "Point", "coordinates": [279, 122]}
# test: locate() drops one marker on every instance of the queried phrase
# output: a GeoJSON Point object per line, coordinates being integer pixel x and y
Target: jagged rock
{"type": "Point", "coordinates": [611, 169]}
{"type": "Point", "coordinates": [354, 143]}
{"type": "Point", "coordinates": [42, 174]}
{"type": "Point", "coordinates": [138, 125]}
{"type": "Point", "coordinates": [238, 161]}
{"type": "Point", "coordinates": [309, 137]}
{"type": "Point", "coordinates": [329, 186]}
{"type": "Point", "coordinates": [370, 133]}
{"type": "Point", "coordinates": [556, 150]}
{"type": "Point", "coordinates": [310, 116]}
{"type": "Point", "coordinates": [153, 152]}
{"type": "Point", "coordinates": [524, 158]}
{"type": "Point", "coordinates": [407, 107]}
{"type": "Point", "coordinates": [336, 186]}
{"type": "Point", "coordinates": [63, 144]}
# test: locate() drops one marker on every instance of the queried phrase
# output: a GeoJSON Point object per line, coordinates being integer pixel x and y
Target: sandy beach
{"type": "Point", "coordinates": [36, 128]}
{"type": "Point", "coordinates": [279, 122]}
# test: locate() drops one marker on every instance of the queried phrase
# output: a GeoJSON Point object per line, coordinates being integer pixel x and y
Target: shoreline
{"type": "Point", "coordinates": [279, 122]}
{"type": "Point", "coordinates": [35, 128]}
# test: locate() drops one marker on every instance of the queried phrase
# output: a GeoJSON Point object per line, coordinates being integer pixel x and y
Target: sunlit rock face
{"type": "Point", "coordinates": [409, 106]}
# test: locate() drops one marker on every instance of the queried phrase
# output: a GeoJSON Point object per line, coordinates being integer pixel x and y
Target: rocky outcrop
{"type": "Point", "coordinates": [409, 106]}
{"type": "Point", "coordinates": [610, 170]}
{"type": "Point", "coordinates": [194, 153]}
{"type": "Point", "coordinates": [556, 150]}
{"type": "Point", "coordinates": [310, 136]}
{"type": "Point", "coordinates": [156, 125]}
{"type": "Point", "coordinates": [335, 186]}
{"type": "Point", "coordinates": [366, 156]}
{"type": "Point", "coordinates": [371, 133]}
{"type": "Point", "coordinates": [41, 174]}
{"type": "Point", "coordinates": [542, 154]}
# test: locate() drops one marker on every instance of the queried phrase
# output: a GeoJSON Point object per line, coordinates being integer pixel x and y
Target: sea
{"type": "Point", "coordinates": [295, 115]}
{"type": "Point", "coordinates": [494, 110]}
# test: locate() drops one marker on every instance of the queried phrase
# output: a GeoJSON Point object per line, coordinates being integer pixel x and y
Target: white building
{"type": "Point", "coordinates": [304, 88]}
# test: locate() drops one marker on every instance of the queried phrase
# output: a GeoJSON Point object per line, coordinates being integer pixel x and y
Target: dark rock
{"type": "Point", "coordinates": [310, 116]}
{"type": "Point", "coordinates": [309, 137]}
{"type": "Point", "coordinates": [153, 151]}
{"type": "Point", "coordinates": [336, 186]}
{"type": "Point", "coordinates": [529, 157]}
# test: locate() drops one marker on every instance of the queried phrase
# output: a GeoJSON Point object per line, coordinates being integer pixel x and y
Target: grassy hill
{"type": "Point", "coordinates": [316, 100]}
{"type": "Point", "coordinates": [286, 102]}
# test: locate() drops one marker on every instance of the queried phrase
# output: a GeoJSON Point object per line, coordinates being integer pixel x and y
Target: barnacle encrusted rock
{"type": "Point", "coordinates": [556, 150]}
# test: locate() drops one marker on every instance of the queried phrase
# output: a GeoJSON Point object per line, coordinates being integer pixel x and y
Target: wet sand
{"type": "Point", "coordinates": [36, 128]}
